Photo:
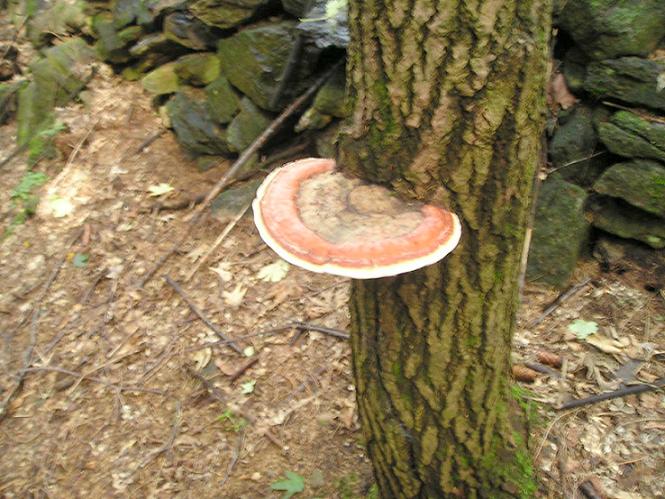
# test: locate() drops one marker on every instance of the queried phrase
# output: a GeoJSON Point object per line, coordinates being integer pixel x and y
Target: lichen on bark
{"type": "Point", "coordinates": [447, 107]}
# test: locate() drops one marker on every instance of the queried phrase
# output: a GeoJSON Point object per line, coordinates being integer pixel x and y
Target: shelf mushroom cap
{"type": "Point", "coordinates": [318, 219]}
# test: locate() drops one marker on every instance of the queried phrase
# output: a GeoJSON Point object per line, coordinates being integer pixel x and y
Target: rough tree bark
{"type": "Point", "coordinates": [448, 107]}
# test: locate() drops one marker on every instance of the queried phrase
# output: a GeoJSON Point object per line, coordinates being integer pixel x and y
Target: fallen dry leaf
{"type": "Point", "coordinates": [234, 298]}
{"type": "Point", "coordinates": [560, 92]}
{"type": "Point", "coordinates": [274, 272]}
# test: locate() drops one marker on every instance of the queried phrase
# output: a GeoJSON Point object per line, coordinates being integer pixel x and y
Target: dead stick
{"type": "Point", "coordinates": [621, 392]}
{"type": "Point", "coordinates": [337, 333]}
{"type": "Point", "coordinates": [241, 370]}
{"type": "Point", "coordinates": [227, 230]}
{"type": "Point", "coordinates": [573, 290]}
{"type": "Point", "coordinates": [231, 343]}
{"type": "Point", "coordinates": [538, 367]}
{"type": "Point", "coordinates": [75, 374]}
{"type": "Point", "coordinates": [36, 312]}
{"type": "Point", "coordinates": [150, 140]}
{"type": "Point", "coordinates": [168, 445]}
{"type": "Point", "coordinates": [231, 173]}
{"type": "Point", "coordinates": [216, 393]}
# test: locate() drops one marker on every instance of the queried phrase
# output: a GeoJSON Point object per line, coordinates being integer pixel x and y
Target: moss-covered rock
{"type": "Point", "coordinates": [574, 69]}
{"type": "Point", "coordinates": [126, 12]}
{"type": "Point", "coordinates": [8, 99]}
{"type": "Point", "coordinates": [623, 220]}
{"type": "Point", "coordinates": [326, 141]}
{"type": "Point", "coordinates": [629, 79]}
{"type": "Point", "coordinates": [296, 8]}
{"type": "Point", "coordinates": [640, 183]}
{"type": "Point", "coordinates": [560, 231]}
{"type": "Point", "coordinates": [248, 124]}
{"type": "Point", "coordinates": [329, 103]}
{"type": "Point", "coordinates": [61, 18]}
{"type": "Point", "coordinates": [224, 13]}
{"type": "Point", "coordinates": [193, 125]}
{"type": "Point", "coordinates": [162, 80]}
{"type": "Point", "coordinates": [57, 77]}
{"type": "Point", "coordinates": [631, 136]}
{"type": "Point", "coordinates": [254, 60]}
{"type": "Point", "coordinates": [113, 44]}
{"type": "Point", "coordinates": [223, 101]}
{"type": "Point", "coordinates": [183, 28]}
{"type": "Point", "coordinates": [606, 29]}
{"type": "Point", "coordinates": [573, 146]}
{"type": "Point", "coordinates": [197, 69]}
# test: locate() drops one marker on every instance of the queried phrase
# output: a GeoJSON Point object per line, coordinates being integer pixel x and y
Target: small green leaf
{"type": "Point", "coordinates": [80, 260]}
{"type": "Point", "coordinates": [247, 388]}
{"type": "Point", "coordinates": [293, 484]}
{"type": "Point", "coordinates": [582, 328]}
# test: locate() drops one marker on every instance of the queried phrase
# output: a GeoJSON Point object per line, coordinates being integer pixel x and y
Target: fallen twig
{"type": "Point", "coordinates": [147, 142]}
{"type": "Point", "coordinates": [35, 312]}
{"type": "Point", "coordinates": [621, 392]}
{"type": "Point", "coordinates": [538, 367]}
{"type": "Point", "coordinates": [231, 343]}
{"type": "Point", "coordinates": [241, 370]}
{"type": "Point", "coordinates": [235, 168]}
{"type": "Point", "coordinates": [168, 445]}
{"type": "Point", "coordinates": [337, 333]}
{"type": "Point", "coordinates": [216, 393]}
{"type": "Point", "coordinates": [570, 292]}
{"type": "Point", "coordinates": [235, 455]}
{"type": "Point", "coordinates": [122, 388]}
{"type": "Point", "coordinates": [227, 230]}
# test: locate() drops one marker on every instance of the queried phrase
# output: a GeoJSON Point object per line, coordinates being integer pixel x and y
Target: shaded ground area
{"type": "Point", "coordinates": [130, 394]}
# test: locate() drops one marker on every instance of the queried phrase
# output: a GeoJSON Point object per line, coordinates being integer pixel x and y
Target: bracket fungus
{"type": "Point", "coordinates": [316, 218]}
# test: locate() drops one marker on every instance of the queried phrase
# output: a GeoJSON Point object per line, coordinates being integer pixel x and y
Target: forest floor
{"type": "Point", "coordinates": [128, 393]}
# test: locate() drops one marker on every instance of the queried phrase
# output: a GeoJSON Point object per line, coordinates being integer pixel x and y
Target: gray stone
{"type": "Point", "coordinates": [255, 59]}
{"type": "Point", "coordinates": [8, 99]}
{"type": "Point", "coordinates": [297, 8]}
{"type": "Point", "coordinates": [574, 69]}
{"type": "Point", "coordinates": [126, 12]}
{"type": "Point", "coordinates": [248, 124]}
{"type": "Point", "coordinates": [640, 183]}
{"type": "Point", "coordinates": [185, 29]}
{"type": "Point", "coordinates": [329, 103]}
{"type": "Point", "coordinates": [573, 146]}
{"type": "Point", "coordinates": [606, 29]}
{"type": "Point", "coordinates": [193, 125]}
{"type": "Point", "coordinates": [623, 220]}
{"type": "Point", "coordinates": [326, 140]}
{"type": "Point", "coordinates": [629, 79]}
{"type": "Point", "coordinates": [113, 44]}
{"type": "Point", "coordinates": [162, 80]}
{"type": "Point", "coordinates": [223, 101]}
{"type": "Point", "coordinates": [631, 136]}
{"type": "Point", "coordinates": [326, 24]}
{"type": "Point", "coordinates": [559, 234]}
{"type": "Point", "coordinates": [59, 19]}
{"type": "Point", "coordinates": [225, 13]}
{"type": "Point", "coordinates": [197, 69]}
{"type": "Point", "coordinates": [57, 77]}
{"type": "Point", "coordinates": [229, 203]}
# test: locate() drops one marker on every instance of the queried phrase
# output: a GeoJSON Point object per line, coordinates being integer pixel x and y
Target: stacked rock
{"type": "Point", "coordinates": [607, 154]}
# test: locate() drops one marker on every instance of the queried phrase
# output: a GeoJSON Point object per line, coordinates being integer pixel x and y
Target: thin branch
{"type": "Point", "coordinates": [122, 388]}
{"type": "Point", "coordinates": [235, 168]}
{"type": "Point", "coordinates": [621, 392]}
{"type": "Point", "coordinates": [570, 292]}
{"type": "Point", "coordinates": [36, 312]}
{"type": "Point", "coordinates": [231, 343]}
{"type": "Point", "coordinates": [168, 445]}
{"type": "Point", "coordinates": [337, 333]}
{"type": "Point", "coordinates": [227, 230]}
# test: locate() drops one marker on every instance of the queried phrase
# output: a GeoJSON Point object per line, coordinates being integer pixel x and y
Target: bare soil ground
{"type": "Point", "coordinates": [130, 394]}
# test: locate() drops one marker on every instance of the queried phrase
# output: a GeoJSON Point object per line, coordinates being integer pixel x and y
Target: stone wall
{"type": "Point", "coordinates": [220, 71]}
{"type": "Point", "coordinates": [605, 181]}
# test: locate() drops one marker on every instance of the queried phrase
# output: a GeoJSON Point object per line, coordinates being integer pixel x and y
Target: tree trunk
{"type": "Point", "coordinates": [448, 107]}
